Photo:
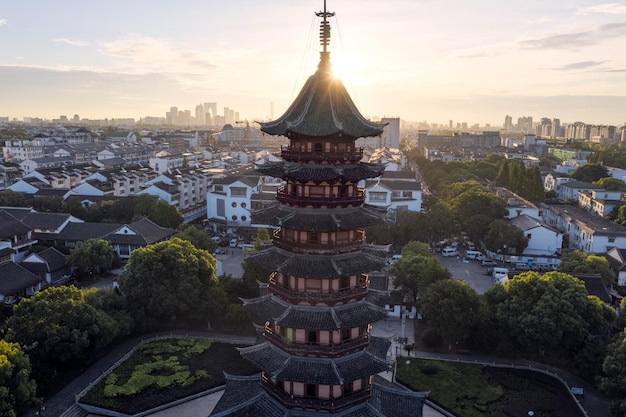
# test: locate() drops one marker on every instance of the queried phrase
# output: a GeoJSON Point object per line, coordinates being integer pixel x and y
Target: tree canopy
{"type": "Point", "coordinates": [413, 273]}
{"type": "Point", "coordinates": [589, 173]}
{"type": "Point", "coordinates": [170, 279]}
{"type": "Point", "coordinates": [550, 311]}
{"type": "Point", "coordinates": [57, 326]}
{"type": "Point", "coordinates": [197, 236]}
{"type": "Point", "coordinates": [505, 238]}
{"type": "Point", "coordinates": [17, 389]}
{"type": "Point", "coordinates": [578, 262]}
{"type": "Point", "coordinates": [93, 255]}
{"type": "Point", "coordinates": [452, 308]}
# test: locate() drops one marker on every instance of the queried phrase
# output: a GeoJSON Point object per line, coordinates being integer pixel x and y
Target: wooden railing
{"type": "Point", "coordinates": [330, 297]}
{"type": "Point", "coordinates": [330, 404]}
{"type": "Point", "coordinates": [318, 200]}
{"type": "Point", "coordinates": [296, 155]}
{"type": "Point", "coordinates": [328, 247]}
{"type": "Point", "coordinates": [316, 349]}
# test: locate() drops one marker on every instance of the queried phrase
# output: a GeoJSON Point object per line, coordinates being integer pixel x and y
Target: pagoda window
{"type": "Point", "coordinates": [345, 283]}
{"type": "Point", "coordinates": [354, 333]}
{"type": "Point", "coordinates": [287, 333]}
{"type": "Point", "coordinates": [343, 191]}
{"type": "Point", "coordinates": [313, 284]}
{"type": "Point", "coordinates": [313, 337]}
{"type": "Point", "coordinates": [345, 335]}
{"type": "Point", "coordinates": [298, 389]}
{"type": "Point", "coordinates": [342, 147]}
{"type": "Point", "coordinates": [343, 236]}
{"type": "Point", "coordinates": [311, 390]}
{"type": "Point", "coordinates": [324, 391]}
{"type": "Point", "coordinates": [357, 385]}
{"type": "Point", "coordinates": [318, 148]}
{"type": "Point", "coordinates": [313, 237]}
{"type": "Point", "coordinates": [324, 337]}
{"type": "Point", "coordinates": [288, 233]}
{"type": "Point", "coordinates": [326, 238]}
{"type": "Point", "coordinates": [300, 336]}
{"type": "Point", "coordinates": [316, 190]}
{"type": "Point", "coordinates": [336, 391]}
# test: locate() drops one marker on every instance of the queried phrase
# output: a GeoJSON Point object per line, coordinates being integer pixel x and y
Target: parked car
{"type": "Point", "coordinates": [488, 262]}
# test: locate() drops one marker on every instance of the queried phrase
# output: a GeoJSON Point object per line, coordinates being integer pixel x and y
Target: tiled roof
{"type": "Point", "coordinates": [355, 314]}
{"type": "Point", "coordinates": [10, 226]}
{"type": "Point", "coordinates": [325, 371]}
{"type": "Point", "coordinates": [84, 231]}
{"type": "Point", "coordinates": [317, 219]}
{"type": "Point", "coordinates": [48, 221]}
{"type": "Point", "coordinates": [17, 212]}
{"type": "Point", "coordinates": [323, 108]}
{"type": "Point", "coordinates": [242, 399]}
{"type": "Point", "coordinates": [54, 260]}
{"type": "Point", "coordinates": [309, 266]}
{"type": "Point", "coordinates": [321, 172]}
{"type": "Point", "coordinates": [15, 278]}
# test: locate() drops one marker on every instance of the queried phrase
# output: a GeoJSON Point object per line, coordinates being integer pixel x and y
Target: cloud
{"type": "Point", "coordinates": [579, 65]}
{"type": "Point", "coordinates": [576, 40]}
{"type": "Point", "coordinates": [607, 8]}
{"type": "Point", "coordinates": [3, 22]}
{"type": "Point", "coordinates": [70, 42]}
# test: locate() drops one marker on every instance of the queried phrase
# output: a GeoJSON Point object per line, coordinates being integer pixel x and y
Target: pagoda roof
{"type": "Point", "coordinates": [322, 109]}
{"type": "Point", "coordinates": [245, 397]}
{"type": "Point", "coordinates": [275, 309]}
{"type": "Point", "coordinates": [323, 371]}
{"type": "Point", "coordinates": [316, 266]}
{"type": "Point", "coordinates": [320, 172]}
{"type": "Point", "coordinates": [317, 219]}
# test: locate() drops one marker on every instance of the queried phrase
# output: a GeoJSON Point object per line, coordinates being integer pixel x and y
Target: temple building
{"type": "Point", "coordinates": [318, 357]}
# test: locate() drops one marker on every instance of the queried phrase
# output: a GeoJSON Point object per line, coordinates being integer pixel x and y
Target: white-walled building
{"type": "Point", "coordinates": [543, 240]}
{"type": "Point", "coordinates": [228, 202]}
{"type": "Point", "coordinates": [395, 191]}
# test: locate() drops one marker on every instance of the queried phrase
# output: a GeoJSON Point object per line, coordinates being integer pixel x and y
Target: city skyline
{"type": "Point", "coordinates": [420, 61]}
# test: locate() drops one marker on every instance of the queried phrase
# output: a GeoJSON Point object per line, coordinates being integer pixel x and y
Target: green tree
{"type": "Point", "coordinates": [57, 327]}
{"type": "Point", "coordinates": [505, 238]}
{"type": "Point", "coordinates": [532, 188]}
{"type": "Point", "coordinates": [165, 215]}
{"type": "Point", "coordinates": [611, 184]}
{"type": "Point", "coordinates": [75, 207]}
{"type": "Point", "coordinates": [416, 248]}
{"type": "Point", "coordinates": [197, 236]}
{"type": "Point", "coordinates": [550, 312]}
{"type": "Point", "coordinates": [503, 179]}
{"type": "Point", "coordinates": [93, 256]}
{"type": "Point", "coordinates": [170, 279]}
{"type": "Point", "coordinates": [578, 262]}
{"type": "Point", "coordinates": [589, 173]}
{"type": "Point", "coordinates": [10, 198]}
{"type": "Point", "coordinates": [613, 382]}
{"type": "Point", "coordinates": [17, 389]}
{"type": "Point", "coordinates": [452, 308]}
{"type": "Point", "coordinates": [413, 273]}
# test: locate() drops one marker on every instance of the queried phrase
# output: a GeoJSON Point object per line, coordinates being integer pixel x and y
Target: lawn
{"type": "Point", "coordinates": [469, 390]}
{"type": "Point", "coordinates": [164, 371]}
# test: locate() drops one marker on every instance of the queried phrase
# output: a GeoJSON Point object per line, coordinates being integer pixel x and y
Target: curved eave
{"type": "Point", "coordinates": [321, 172]}
{"type": "Point", "coordinates": [283, 366]}
{"type": "Point", "coordinates": [273, 309]}
{"type": "Point", "coordinates": [322, 109]}
{"type": "Point", "coordinates": [317, 219]}
{"type": "Point", "coordinates": [316, 266]}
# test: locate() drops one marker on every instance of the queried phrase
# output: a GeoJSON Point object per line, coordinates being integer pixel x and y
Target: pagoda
{"type": "Point", "coordinates": [317, 356]}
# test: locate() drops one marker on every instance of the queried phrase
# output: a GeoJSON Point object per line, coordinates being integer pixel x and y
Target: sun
{"type": "Point", "coordinates": [348, 69]}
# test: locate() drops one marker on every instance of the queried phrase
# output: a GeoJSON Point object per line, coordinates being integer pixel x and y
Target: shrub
{"type": "Point", "coordinates": [429, 369]}
{"type": "Point", "coordinates": [431, 338]}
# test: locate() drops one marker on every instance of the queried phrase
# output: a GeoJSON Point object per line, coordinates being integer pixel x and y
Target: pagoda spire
{"type": "Point", "coordinates": [325, 38]}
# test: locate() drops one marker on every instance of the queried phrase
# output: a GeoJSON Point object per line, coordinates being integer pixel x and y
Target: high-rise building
{"type": "Point", "coordinates": [508, 123]}
{"type": "Point", "coordinates": [199, 114]}
{"type": "Point", "coordinates": [391, 134]}
{"type": "Point", "coordinates": [556, 128]}
{"type": "Point", "coordinates": [319, 358]}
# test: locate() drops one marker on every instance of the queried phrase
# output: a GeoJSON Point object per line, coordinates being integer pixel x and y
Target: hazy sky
{"type": "Point", "coordinates": [430, 60]}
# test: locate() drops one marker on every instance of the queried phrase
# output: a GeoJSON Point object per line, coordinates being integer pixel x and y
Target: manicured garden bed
{"type": "Point", "coordinates": [165, 371]}
{"type": "Point", "coordinates": [469, 390]}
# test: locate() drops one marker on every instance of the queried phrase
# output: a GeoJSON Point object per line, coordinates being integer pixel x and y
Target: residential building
{"type": "Point", "coordinates": [585, 231]}
{"type": "Point", "coordinates": [395, 191]}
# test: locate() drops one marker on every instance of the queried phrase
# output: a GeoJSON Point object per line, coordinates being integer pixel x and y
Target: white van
{"type": "Point", "coordinates": [233, 243]}
{"type": "Point", "coordinates": [449, 251]}
{"type": "Point", "coordinates": [472, 254]}
{"type": "Point", "coordinates": [500, 275]}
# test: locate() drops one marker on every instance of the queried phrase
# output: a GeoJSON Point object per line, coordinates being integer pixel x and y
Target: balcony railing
{"type": "Point", "coordinates": [316, 349]}
{"type": "Point", "coordinates": [328, 247]}
{"type": "Point", "coordinates": [316, 200]}
{"type": "Point", "coordinates": [320, 156]}
{"type": "Point", "coordinates": [329, 297]}
{"type": "Point", "coordinates": [330, 404]}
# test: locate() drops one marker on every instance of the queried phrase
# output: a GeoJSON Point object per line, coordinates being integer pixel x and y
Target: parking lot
{"type": "Point", "coordinates": [470, 271]}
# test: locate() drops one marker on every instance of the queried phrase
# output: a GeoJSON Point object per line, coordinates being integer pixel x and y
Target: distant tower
{"type": "Point", "coordinates": [199, 114]}
{"type": "Point", "coordinates": [508, 123]}
{"type": "Point", "coordinates": [319, 358]}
